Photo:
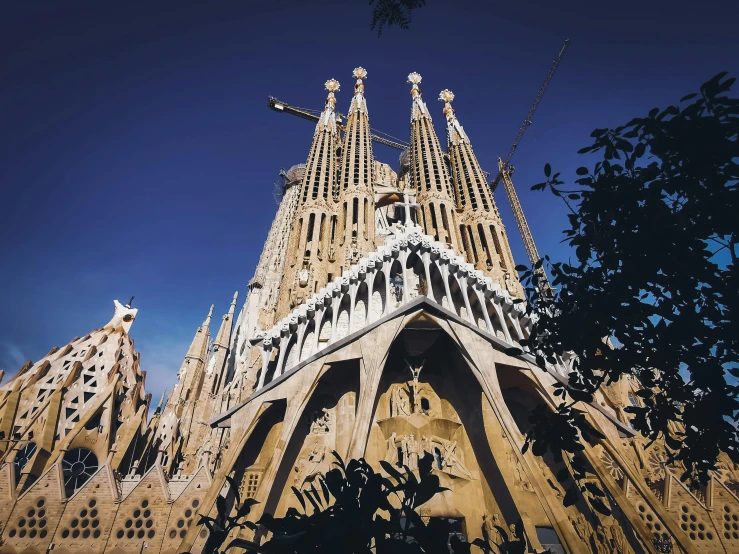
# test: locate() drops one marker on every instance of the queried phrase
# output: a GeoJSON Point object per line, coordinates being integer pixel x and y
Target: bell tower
{"type": "Point", "coordinates": [484, 240]}
{"type": "Point", "coordinates": [310, 248]}
{"type": "Point", "coordinates": [356, 195]}
{"type": "Point", "coordinates": [429, 177]}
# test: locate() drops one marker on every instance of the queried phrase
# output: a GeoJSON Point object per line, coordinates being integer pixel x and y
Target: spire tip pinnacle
{"type": "Point", "coordinates": [332, 85]}
{"type": "Point", "coordinates": [446, 95]}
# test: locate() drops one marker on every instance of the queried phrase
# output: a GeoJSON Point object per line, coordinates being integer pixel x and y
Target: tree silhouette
{"type": "Point", "coordinates": [353, 509]}
{"type": "Point", "coordinates": [393, 12]}
{"type": "Point", "coordinates": [652, 292]}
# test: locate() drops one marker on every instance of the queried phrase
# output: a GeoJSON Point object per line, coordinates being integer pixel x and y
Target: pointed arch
{"type": "Point", "coordinates": [378, 296]}
{"type": "Point", "coordinates": [395, 269]}
{"type": "Point", "coordinates": [415, 276]}
{"type": "Point", "coordinates": [308, 340]}
{"type": "Point", "coordinates": [336, 392]}
{"type": "Point", "coordinates": [325, 333]}
{"type": "Point", "coordinates": [452, 394]}
{"type": "Point", "coordinates": [477, 314]}
{"type": "Point", "coordinates": [359, 319]}
{"type": "Point", "coordinates": [291, 353]}
{"type": "Point", "coordinates": [457, 300]}
{"type": "Point", "coordinates": [342, 323]}
{"type": "Point", "coordinates": [437, 285]}
{"type": "Point", "coordinates": [496, 322]}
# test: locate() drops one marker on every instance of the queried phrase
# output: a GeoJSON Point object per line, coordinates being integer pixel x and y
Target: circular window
{"type": "Point", "coordinates": [78, 465]}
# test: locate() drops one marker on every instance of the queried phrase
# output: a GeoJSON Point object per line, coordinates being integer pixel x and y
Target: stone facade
{"type": "Point", "coordinates": [380, 324]}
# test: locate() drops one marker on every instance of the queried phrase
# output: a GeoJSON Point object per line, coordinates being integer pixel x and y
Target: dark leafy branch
{"type": "Point", "coordinates": [652, 291]}
{"type": "Point", "coordinates": [393, 12]}
{"type": "Point", "coordinates": [353, 509]}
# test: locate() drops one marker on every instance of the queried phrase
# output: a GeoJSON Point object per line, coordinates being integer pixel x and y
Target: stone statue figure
{"type": "Point", "coordinates": [513, 533]}
{"type": "Point", "coordinates": [307, 468]}
{"type": "Point", "coordinates": [492, 535]}
{"type": "Point", "coordinates": [415, 372]}
{"type": "Point", "coordinates": [519, 480]}
{"type": "Point", "coordinates": [620, 542]}
{"type": "Point", "coordinates": [321, 421]}
{"type": "Point", "coordinates": [412, 445]}
{"type": "Point", "coordinates": [583, 528]}
{"type": "Point", "coordinates": [425, 445]}
{"type": "Point", "coordinates": [401, 403]}
{"type": "Point", "coordinates": [602, 539]}
{"type": "Point", "coordinates": [451, 461]}
{"type": "Point", "coordinates": [391, 455]}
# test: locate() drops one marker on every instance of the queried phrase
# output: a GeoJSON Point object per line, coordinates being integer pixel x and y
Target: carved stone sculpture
{"type": "Point", "coordinates": [321, 422]}
{"type": "Point", "coordinates": [412, 450]}
{"type": "Point", "coordinates": [583, 528]}
{"type": "Point", "coordinates": [451, 461]}
{"type": "Point", "coordinates": [492, 535]}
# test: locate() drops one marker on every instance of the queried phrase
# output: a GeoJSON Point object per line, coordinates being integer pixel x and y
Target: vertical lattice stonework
{"type": "Point", "coordinates": [429, 175]}
{"type": "Point", "coordinates": [309, 258]}
{"type": "Point", "coordinates": [357, 182]}
{"type": "Point", "coordinates": [481, 227]}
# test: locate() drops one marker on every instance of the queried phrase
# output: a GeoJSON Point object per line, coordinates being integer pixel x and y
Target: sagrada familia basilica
{"type": "Point", "coordinates": [380, 324]}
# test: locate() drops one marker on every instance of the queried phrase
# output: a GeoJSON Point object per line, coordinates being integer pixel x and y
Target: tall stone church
{"type": "Point", "coordinates": [379, 323]}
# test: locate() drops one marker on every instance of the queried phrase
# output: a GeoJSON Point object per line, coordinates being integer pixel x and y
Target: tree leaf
{"type": "Point", "coordinates": [570, 496]}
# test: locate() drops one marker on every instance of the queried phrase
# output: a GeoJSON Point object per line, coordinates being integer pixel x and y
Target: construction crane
{"type": "Point", "coordinates": [532, 109]}
{"type": "Point", "coordinates": [313, 115]}
{"type": "Point", "coordinates": [505, 170]}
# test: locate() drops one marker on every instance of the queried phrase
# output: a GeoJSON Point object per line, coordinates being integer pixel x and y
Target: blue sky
{"type": "Point", "coordinates": [137, 154]}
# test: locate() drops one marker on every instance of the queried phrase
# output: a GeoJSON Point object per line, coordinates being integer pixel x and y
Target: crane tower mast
{"type": "Point", "coordinates": [505, 170]}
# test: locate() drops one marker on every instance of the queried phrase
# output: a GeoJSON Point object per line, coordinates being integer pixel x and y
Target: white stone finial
{"type": "Point", "coordinates": [446, 95]}
{"type": "Point", "coordinates": [415, 79]}
{"type": "Point", "coordinates": [359, 73]}
{"type": "Point", "coordinates": [332, 85]}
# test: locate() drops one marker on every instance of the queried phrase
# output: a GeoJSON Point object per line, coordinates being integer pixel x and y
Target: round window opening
{"type": "Point", "coordinates": [78, 465]}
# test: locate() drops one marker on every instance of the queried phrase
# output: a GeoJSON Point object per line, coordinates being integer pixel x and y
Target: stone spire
{"type": "Point", "coordinates": [224, 333]}
{"type": "Point", "coordinates": [356, 219]}
{"type": "Point", "coordinates": [192, 366]}
{"type": "Point", "coordinates": [89, 393]}
{"type": "Point", "coordinates": [482, 232]}
{"type": "Point", "coordinates": [429, 176]}
{"type": "Point", "coordinates": [319, 178]}
{"type": "Point", "coordinates": [311, 245]}
{"type": "Point", "coordinates": [195, 428]}
{"type": "Point", "coordinates": [176, 418]}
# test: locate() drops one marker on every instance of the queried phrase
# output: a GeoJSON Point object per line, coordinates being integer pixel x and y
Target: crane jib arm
{"type": "Point", "coordinates": [279, 106]}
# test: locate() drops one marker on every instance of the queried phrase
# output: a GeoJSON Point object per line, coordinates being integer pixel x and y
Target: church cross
{"type": "Point", "coordinates": [407, 205]}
